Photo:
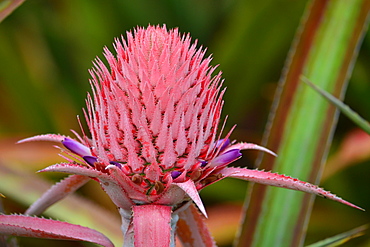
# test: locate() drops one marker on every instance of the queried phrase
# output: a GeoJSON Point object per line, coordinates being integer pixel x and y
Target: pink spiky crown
{"type": "Point", "coordinates": [157, 106]}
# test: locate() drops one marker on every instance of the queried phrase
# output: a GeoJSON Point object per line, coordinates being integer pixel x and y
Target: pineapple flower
{"type": "Point", "coordinates": [153, 117]}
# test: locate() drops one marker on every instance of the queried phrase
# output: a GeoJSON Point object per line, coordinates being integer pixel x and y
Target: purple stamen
{"type": "Point", "coordinates": [226, 158]}
{"type": "Point", "coordinates": [76, 147]}
{"type": "Point", "coordinates": [175, 174]}
{"type": "Point", "coordinates": [115, 163]}
{"type": "Point", "coordinates": [90, 160]}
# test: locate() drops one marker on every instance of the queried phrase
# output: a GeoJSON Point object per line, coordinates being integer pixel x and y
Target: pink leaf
{"type": "Point", "coordinates": [192, 229]}
{"type": "Point", "coordinates": [26, 226]}
{"type": "Point", "coordinates": [46, 137]}
{"type": "Point", "coordinates": [282, 181]}
{"type": "Point", "coordinates": [245, 145]}
{"type": "Point", "coordinates": [56, 193]}
{"type": "Point", "coordinates": [110, 185]}
{"type": "Point", "coordinates": [152, 225]}
{"type": "Point", "coordinates": [74, 169]}
{"type": "Point", "coordinates": [191, 190]}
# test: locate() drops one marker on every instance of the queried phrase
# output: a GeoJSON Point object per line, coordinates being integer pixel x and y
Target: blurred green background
{"type": "Point", "coordinates": [47, 47]}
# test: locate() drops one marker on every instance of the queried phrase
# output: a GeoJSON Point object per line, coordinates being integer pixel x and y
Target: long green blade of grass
{"type": "Point", "coordinates": [340, 238]}
{"type": "Point", "coordinates": [301, 122]}
{"type": "Point", "coordinates": [345, 109]}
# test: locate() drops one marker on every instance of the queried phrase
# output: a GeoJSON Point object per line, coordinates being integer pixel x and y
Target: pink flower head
{"type": "Point", "coordinates": [153, 116]}
{"type": "Point", "coordinates": [154, 113]}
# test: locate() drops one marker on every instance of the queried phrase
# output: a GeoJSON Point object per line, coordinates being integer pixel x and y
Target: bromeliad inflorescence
{"type": "Point", "coordinates": [154, 142]}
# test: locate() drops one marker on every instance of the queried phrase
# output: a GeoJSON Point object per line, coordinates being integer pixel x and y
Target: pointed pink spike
{"type": "Point", "coordinates": [282, 181]}
{"type": "Point", "coordinates": [26, 226]}
{"type": "Point", "coordinates": [46, 137]}
{"type": "Point", "coordinates": [56, 193]}
{"type": "Point", "coordinates": [191, 190]}
{"type": "Point", "coordinates": [152, 225]}
{"type": "Point", "coordinates": [245, 145]}
{"type": "Point", "coordinates": [74, 169]}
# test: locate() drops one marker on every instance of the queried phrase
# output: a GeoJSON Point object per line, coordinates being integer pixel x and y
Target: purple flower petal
{"type": "Point", "coordinates": [90, 160]}
{"type": "Point", "coordinates": [226, 158]}
{"type": "Point", "coordinates": [76, 147]}
{"type": "Point", "coordinates": [223, 142]}
{"type": "Point", "coordinates": [115, 163]}
{"type": "Point", "coordinates": [175, 174]}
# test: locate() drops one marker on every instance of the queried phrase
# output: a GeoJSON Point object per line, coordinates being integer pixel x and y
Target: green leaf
{"type": "Point", "coordinates": [340, 238]}
{"type": "Point", "coordinates": [345, 109]}
{"type": "Point", "coordinates": [301, 122]}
